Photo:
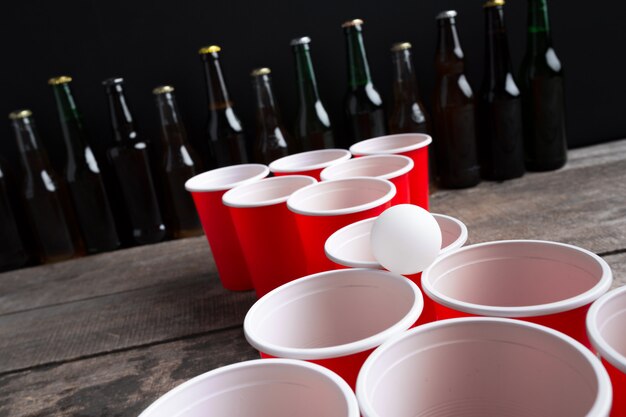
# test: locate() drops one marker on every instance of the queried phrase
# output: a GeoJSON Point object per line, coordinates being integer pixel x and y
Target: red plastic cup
{"type": "Point", "coordinates": [413, 145]}
{"type": "Point", "coordinates": [547, 283]}
{"type": "Point", "coordinates": [486, 367]}
{"type": "Point", "coordinates": [350, 246]}
{"type": "Point", "coordinates": [395, 168]}
{"type": "Point", "coordinates": [309, 163]}
{"type": "Point", "coordinates": [325, 207]}
{"type": "Point", "coordinates": [260, 388]}
{"type": "Point", "coordinates": [267, 230]}
{"type": "Point", "coordinates": [207, 190]}
{"type": "Point", "coordinates": [335, 318]}
{"type": "Point", "coordinates": [606, 327]}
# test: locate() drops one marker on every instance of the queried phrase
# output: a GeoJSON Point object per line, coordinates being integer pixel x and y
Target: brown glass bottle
{"type": "Point", "coordinates": [130, 162]}
{"type": "Point", "coordinates": [13, 250]}
{"type": "Point", "coordinates": [179, 163]}
{"type": "Point", "coordinates": [45, 196]}
{"type": "Point", "coordinates": [227, 142]}
{"type": "Point", "coordinates": [272, 139]}
{"type": "Point", "coordinates": [82, 174]}
{"type": "Point", "coordinates": [363, 106]}
{"type": "Point", "coordinates": [501, 138]}
{"type": "Point", "coordinates": [454, 110]}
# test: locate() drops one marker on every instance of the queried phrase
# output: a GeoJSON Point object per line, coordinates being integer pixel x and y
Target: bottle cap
{"type": "Point", "coordinates": [400, 46]}
{"type": "Point", "coordinates": [305, 40]}
{"type": "Point", "coordinates": [20, 114]}
{"type": "Point", "coordinates": [112, 81]}
{"type": "Point", "coordinates": [494, 3]}
{"type": "Point", "coordinates": [162, 89]}
{"type": "Point", "coordinates": [209, 50]}
{"type": "Point", "coordinates": [446, 14]}
{"type": "Point", "coordinates": [257, 72]}
{"type": "Point", "coordinates": [351, 23]}
{"type": "Point", "coordinates": [63, 79]}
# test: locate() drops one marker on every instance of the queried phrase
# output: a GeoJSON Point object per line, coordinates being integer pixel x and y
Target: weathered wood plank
{"type": "Point", "coordinates": [618, 266]}
{"type": "Point", "coordinates": [119, 384]}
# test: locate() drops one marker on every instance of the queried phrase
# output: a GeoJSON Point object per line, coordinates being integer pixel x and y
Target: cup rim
{"type": "Point", "coordinates": [348, 210]}
{"type": "Point", "coordinates": [409, 164]}
{"type": "Point", "coordinates": [230, 197]}
{"type": "Point", "coordinates": [424, 140]}
{"type": "Point", "coordinates": [278, 165]}
{"type": "Point", "coordinates": [600, 407]}
{"type": "Point", "coordinates": [568, 304]}
{"type": "Point", "coordinates": [346, 391]}
{"type": "Point", "coordinates": [194, 184]}
{"type": "Point", "coordinates": [345, 349]}
{"type": "Point", "coordinates": [609, 353]}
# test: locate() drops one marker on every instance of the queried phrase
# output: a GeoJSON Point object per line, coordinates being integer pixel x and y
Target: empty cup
{"type": "Point", "coordinates": [543, 282]}
{"type": "Point", "coordinates": [413, 145]}
{"type": "Point", "coordinates": [395, 168]}
{"type": "Point", "coordinates": [267, 230]}
{"type": "Point", "coordinates": [309, 163]}
{"type": "Point", "coordinates": [606, 327]}
{"type": "Point", "coordinates": [207, 190]}
{"type": "Point", "coordinates": [260, 388]}
{"type": "Point", "coordinates": [334, 318]}
{"type": "Point", "coordinates": [325, 207]}
{"type": "Point", "coordinates": [485, 367]}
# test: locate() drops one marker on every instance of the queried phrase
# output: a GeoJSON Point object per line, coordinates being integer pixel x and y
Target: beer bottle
{"type": "Point", "coordinates": [500, 146]}
{"type": "Point", "coordinates": [454, 111]}
{"type": "Point", "coordinates": [365, 115]}
{"type": "Point", "coordinates": [130, 162]}
{"type": "Point", "coordinates": [272, 139]}
{"type": "Point", "coordinates": [82, 174]}
{"type": "Point", "coordinates": [312, 130]}
{"type": "Point", "coordinates": [408, 114]}
{"type": "Point", "coordinates": [46, 201]}
{"type": "Point", "coordinates": [227, 142]}
{"type": "Point", "coordinates": [13, 250]}
{"type": "Point", "coordinates": [542, 95]}
{"type": "Point", "coordinates": [179, 163]}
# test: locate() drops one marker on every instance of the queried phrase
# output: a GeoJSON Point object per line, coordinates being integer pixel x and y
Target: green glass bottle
{"type": "Point", "coordinates": [82, 174]}
{"type": "Point", "coordinates": [543, 100]}
{"type": "Point", "coordinates": [312, 127]}
{"type": "Point", "coordinates": [364, 112]}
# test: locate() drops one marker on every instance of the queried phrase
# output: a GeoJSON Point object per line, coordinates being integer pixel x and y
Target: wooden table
{"type": "Point", "coordinates": [108, 334]}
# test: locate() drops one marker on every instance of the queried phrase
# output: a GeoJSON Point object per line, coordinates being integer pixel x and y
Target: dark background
{"type": "Point", "coordinates": [155, 42]}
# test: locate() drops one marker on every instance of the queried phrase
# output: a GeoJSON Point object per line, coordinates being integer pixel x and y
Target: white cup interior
{"type": "Point", "coordinates": [483, 367]}
{"type": "Point", "coordinates": [266, 192]}
{"type": "Point", "coordinates": [260, 388]}
{"type": "Point", "coordinates": [333, 314]}
{"type": "Point", "coordinates": [311, 160]}
{"type": "Point", "coordinates": [518, 278]}
{"type": "Point", "coordinates": [379, 166]}
{"type": "Point", "coordinates": [339, 197]}
{"type": "Point", "coordinates": [606, 325]}
{"type": "Point", "coordinates": [226, 178]}
{"type": "Point", "coordinates": [391, 144]}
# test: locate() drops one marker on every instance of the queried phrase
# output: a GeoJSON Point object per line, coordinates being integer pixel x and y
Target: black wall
{"type": "Point", "coordinates": [156, 42]}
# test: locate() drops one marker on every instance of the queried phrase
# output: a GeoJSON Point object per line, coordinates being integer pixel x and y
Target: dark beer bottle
{"type": "Point", "coordinates": [130, 162]}
{"type": "Point", "coordinates": [82, 174]}
{"type": "Point", "coordinates": [365, 115]}
{"type": "Point", "coordinates": [454, 110]}
{"type": "Point", "coordinates": [501, 138]}
{"type": "Point", "coordinates": [542, 95]}
{"type": "Point", "coordinates": [13, 250]}
{"type": "Point", "coordinates": [272, 139]}
{"type": "Point", "coordinates": [179, 163]}
{"type": "Point", "coordinates": [408, 114]}
{"type": "Point", "coordinates": [313, 129]}
{"type": "Point", "coordinates": [227, 142]}
{"type": "Point", "coordinates": [46, 202]}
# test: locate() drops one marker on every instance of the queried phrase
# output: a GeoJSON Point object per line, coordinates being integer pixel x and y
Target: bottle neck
{"type": "Point", "coordinates": [497, 59]}
{"type": "Point", "coordinates": [358, 68]}
{"type": "Point", "coordinates": [267, 112]}
{"type": "Point", "coordinates": [71, 121]}
{"type": "Point", "coordinates": [28, 143]}
{"type": "Point", "coordinates": [172, 129]}
{"type": "Point", "coordinates": [121, 117]}
{"type": "Point", "coordinates": [217, 93]}
{"type": "Point", "coordinates": [405, 85]}
{"type": "Point", "coordinates": [449, 57]}
{"type": "Point", "coordinates": [538, 26]}
{"type": "Point", "coordinates": [307, 84]}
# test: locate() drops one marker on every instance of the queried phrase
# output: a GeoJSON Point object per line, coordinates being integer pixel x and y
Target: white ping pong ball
{"type": "Point", "coordinates": [405, 239]}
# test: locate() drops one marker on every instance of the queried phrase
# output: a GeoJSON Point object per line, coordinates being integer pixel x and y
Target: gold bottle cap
{"type": "Point", "coordinates": [400, 46]}
{"type": "Point", "coordinates": [162, 89]}
{"type": "Point", "coordinates": [353, 22]}
{"type": "Point", "coordinates": [209, 49]}
{"type": "Point", "coordinates": [257, 72]}
{"type": "Point", "coordinates": [20, 114]}
{"type": "Point", "coordinates": [493, 3]}
{"type": "Point", "coordinates": [63, 79]}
